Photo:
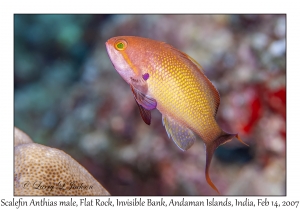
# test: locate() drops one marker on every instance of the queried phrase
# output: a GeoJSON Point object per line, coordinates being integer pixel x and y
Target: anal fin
{"type": "Point", "coordinates": [183, 137]}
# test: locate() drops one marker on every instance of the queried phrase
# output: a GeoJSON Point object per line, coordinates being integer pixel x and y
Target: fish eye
{"type": "Point", "coordinates": [120, 44]}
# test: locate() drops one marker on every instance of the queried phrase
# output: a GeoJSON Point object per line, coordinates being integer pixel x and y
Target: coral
{"type": "Point", "coordinates": [42, 170]}
{"type": "Point", "coordinates": [21, 137]}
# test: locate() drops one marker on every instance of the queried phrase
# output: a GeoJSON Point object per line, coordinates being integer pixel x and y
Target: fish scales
{"type": "Point", "coordinates": [165, 78]}
{"type": "Point", "coordinates": [191, 103]}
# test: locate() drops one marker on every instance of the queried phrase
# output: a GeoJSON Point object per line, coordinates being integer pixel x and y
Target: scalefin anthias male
{"type": "Point", "coordinates": [167, 79]}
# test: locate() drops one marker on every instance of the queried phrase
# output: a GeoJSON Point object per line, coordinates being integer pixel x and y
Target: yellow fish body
{"type": "Point", "coordinates": [165, 78]}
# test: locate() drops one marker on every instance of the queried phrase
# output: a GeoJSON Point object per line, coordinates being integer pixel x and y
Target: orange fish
{"type": "Point", "coordinates": [167, 79]}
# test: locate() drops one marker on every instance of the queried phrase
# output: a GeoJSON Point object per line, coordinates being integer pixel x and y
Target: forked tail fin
{"type": "Point", "coordinates": [210, 149]}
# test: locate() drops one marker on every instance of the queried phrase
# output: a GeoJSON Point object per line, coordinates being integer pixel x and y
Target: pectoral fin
{"type": "Point", "coordinates": [145, 114]}
{"type": "Point", "coordinates": [181, 135]}
{"type": "Point", "coordinates": [143, 99]}
{"type": "Point", "coordinates": [139, 88]}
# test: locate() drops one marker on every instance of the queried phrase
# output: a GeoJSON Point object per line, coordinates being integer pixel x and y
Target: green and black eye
{"type": "Point", "coordinates": [120, 44]}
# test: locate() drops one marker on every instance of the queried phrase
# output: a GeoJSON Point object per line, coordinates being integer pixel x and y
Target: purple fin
{"type": "Point", "coordinates": [181, 135]}
{"type": "Point", "coordinates": [143, 100]}
{"type": "Point", "coordinates": [145, 114]}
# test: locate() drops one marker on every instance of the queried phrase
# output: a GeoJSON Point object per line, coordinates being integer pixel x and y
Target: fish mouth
{"type": "Point", "coordinates": [109, 52]}
{"type": "Point", "coordinates": [107, 46]}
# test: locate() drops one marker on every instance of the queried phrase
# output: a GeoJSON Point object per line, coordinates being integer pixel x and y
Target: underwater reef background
{"type": "Point", "coordinates": [67, 95]}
